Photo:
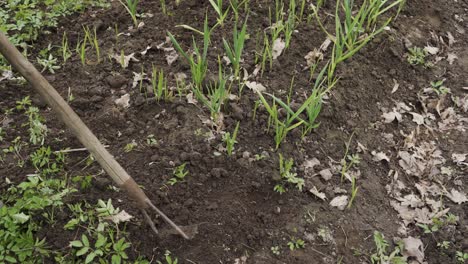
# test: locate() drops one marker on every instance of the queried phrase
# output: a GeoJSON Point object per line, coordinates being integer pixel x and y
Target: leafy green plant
{"type": "Point", "coordinates": [296, 243]}
{"type": "Point", "coordinates": [348, 161]}
{"type": "Point", "coordinates": [234, 53]}
{"type": "Point", "coordinates": [416, 56]}
{"type": "Point", "coordinates": [197, 61]}
{"type": "Point", "coordinates": [439, 87]}
{"type": "Point", "coordinates": [179, 174]}
{"type": "Point", "coordinates": [130, 146]}
{"type": "Point", "coordinates": [168, 258]}
{"type": "Point", "coordinates": [275, 250]}
{"type": "Point", "coordinates": [438, 223]}
{"type": "Point", "coordinates": [381, 257]}
{"type": "Point", "coordinates": [287, 175]}
{"type": "Point", "coordinates": [231, 140]}
{"type": "Point", "coordinates": [47, 60]}
{"type": "Point", "coordinates": [462, 257]}
{"type": "Point", "coordinates": [131, 7]}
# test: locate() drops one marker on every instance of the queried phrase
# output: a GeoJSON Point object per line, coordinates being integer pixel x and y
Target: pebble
{"type": "Point", "coordinates": [139, 100]}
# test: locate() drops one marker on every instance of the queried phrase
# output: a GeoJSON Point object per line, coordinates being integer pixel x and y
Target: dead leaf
{"type": "Point", "coordinates": [451, 57]}
{"type": "Point", "coordinates": [123, 101]}
{"type": "Point", "coordinates": [313, 57]}
{"type": "Point", "coordinates": [316, 192]}
{"type": "Point", "coordinates": [456, 196]}
{"type": "Point", "coordinates": [391, 116]}
{"type": "Point", "coordinates": [124, 60]}
{"type": "Point", "coordinates": [411, 200]}
{"type": "Point", "coordinates": [459, 158]}
{"type": "Point", "coordinates": [137, 78]}
{"type": "Point", "coordinates": [325, 44]}
{"type": "Point", "coordinates": [340, 202]}
{"type": "Point", "coordinates": [143, 53]}
{"type": "Point", "coordinates": [278, 47]}
{"type": "Point", "coordinates": [431, 50]}
{"type": "Point", "coordinates": [395, 86]}
{"type": "Point", "coordinates": [121, 217]}
{"type": "Point", "coordinates": [171, 56]}
{"type": "Point", "coordinates": [417, 118]}
{"type": "Point", "coordinates": [413, 247]}
{"type": "Point", "coordinates": [191, 99]}
{"type": "Point", "coordinates": [379, 156]}
{"type": "Point", "coordinates": [256, 87]}
{"type": "Point", "coordinates": [326, 174]}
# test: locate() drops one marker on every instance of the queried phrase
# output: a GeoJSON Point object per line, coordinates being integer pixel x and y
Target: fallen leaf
{"type": "Point", "coordinates": [326, 174]}
{"type": "Point", "coordinates": [278, 47]}
{"type": "Point", "coordinates": [379, 156]}
{"type": "Point", "coordinates": [325, 44]}
{"type": "Point", "coordinates": [417, 118]}
{"type": "Point", "coordinates": [313, 56]}
{"type": "Point", "coordinates": [137, 78]}
{"type": "Point", "coordinates": [411, 200]}
{"type": "Point", "coordinates": [121, 217]}
{"type": "Point", "coordinates": [123, 101]}
{"type": "Point", "coordinates": [124, 60]}
{"type": "Point", "coordinates": [340, 202]}
{"type": "Point", "coordinates": [456, 196]}
{"type": "Point", "coordinates": [145, 51]}
{"type": "Point", "coordinates": [256, 87]}
{"type": "Point", "coordinates": [171, 56]}
{"type": "Point", "coordinates": [458, 158]}
{"type": "Point", "coordinates": [391, 116]}
{"type": "Point", "coordinates": [191, 99]}
{"type": "Point", "coordinates": [395, 86]}
{"type": "Point", "coordinates": [316, 192]}
{"type": "Point", "coordinates": [451, 57]}
{"type": "Point", "coordinates": [413, 247]}
{"type": "Point", "coordinates": [431, 50]}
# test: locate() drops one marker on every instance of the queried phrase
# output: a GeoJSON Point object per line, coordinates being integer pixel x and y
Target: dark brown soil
{"type": "Point", "coordinates": [231, 199]}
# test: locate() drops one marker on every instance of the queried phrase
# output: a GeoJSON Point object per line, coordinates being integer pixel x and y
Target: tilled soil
{"type": "Point", "coordinates": [231, 199]}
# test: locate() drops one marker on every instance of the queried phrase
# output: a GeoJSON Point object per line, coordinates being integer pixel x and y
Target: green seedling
{"type": "Point", "coordinates": [462, 257]}
{"type": "Point", "coordinates": [416, 56]}
{"type": "Point", "coordinates": [438, 223]}
{"type": "Point", "coordinates": [179, 174]}
{"type": "Point", "coordinates": [130, 146]}
{"type": "Point", "coordinates": [151, 140]}
{"type": "Point", "coordinates": [231, 140]}
{"type": "Point", "coordinates": [296, 243]}
{"type": "Point", "coordinates": [354, 190]}
{"type": "Point", "coordinates": [131, 7]}
{"type": "Point", "coordinates": [236, 5]}
{"type": "Point", "coordinates": [218, 7]}
{"type": "Point", "coordinates": [168, 258]}
{"type": "Point", "coordinates": [443, 245]}
{"type": "Point", "coordinates": [275, 250]}
{"type": "Point", "coordinates": [197, 61]}
{"type": "Point", "coordinates": [440, 88]}
{"type": "Point", "coordinates": [234, 53]}
{"type": "Point", "coordinates": [355, 28]}
{"type": "Point", "coordinates": [65, 49]}
{"type": "Point", "coordinates": [381, 257]}
{"type": "Point", "coordinates": [217, 94]}
{"type": "Point", "coordinates": [348, 161]}
{"type": "Point", "coordinates": [47, 60]}
{"type": "Point", "coordinates": [163, 7]}
{"type": "Point", "coordinates": [105, 209]}
{"type": "Point", "coordinates": [287, 176]}
{"type": "Point", "coordinates": [159, 85]}
{"type": "Point", "coordinates": [91, 36]}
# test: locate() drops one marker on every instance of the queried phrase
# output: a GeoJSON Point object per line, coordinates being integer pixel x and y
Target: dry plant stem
{"type": "Point", "coordinates": [77, 127]}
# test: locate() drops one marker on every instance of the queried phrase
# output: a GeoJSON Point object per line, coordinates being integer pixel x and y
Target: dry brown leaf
{"type": "Point", "coordinates": [340, 202]}
{"type": "Point", "coordinates": [120, 217]}
{"type": "Point", "coordinates": [316, 192]}
{"type": "Point", "coordinates": [456, 196]}
{"type": "Point", "coordinates": [124, 60]}
{"type": "Point", "coordinates": [326, 174]}
{"type": "Point", "coordinates": [123, 101]}
{"type": "Point", "coordinates": [379, 156]}
{"type": "Point", "coordinates": [256, 87]}
{"type": "Point", "coordinates": [278, 47]}
{"type": "Point", "coordinates": [391, 116]}
{"type": "Point", "coordinates": [413, 248]}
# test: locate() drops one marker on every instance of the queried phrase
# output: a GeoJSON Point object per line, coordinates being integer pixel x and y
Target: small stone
{"type": "Point", "coordinates": [237, 112]}
{"type": "Point", "coordinates": [96, 99]}
{"type": "Point", "coordinates": [154, 157]}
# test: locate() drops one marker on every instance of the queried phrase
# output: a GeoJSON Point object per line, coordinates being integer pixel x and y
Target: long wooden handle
{"type": "Point", "coordinates": [72, 121]}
